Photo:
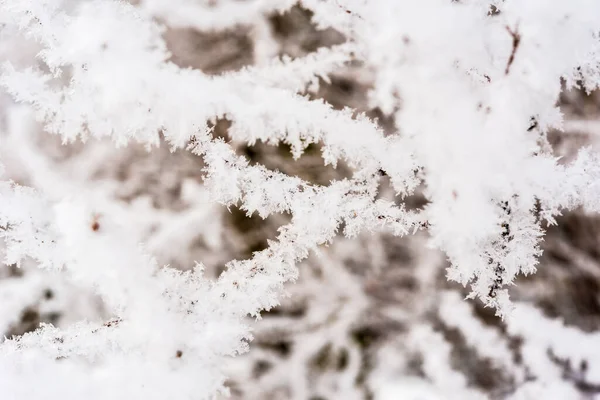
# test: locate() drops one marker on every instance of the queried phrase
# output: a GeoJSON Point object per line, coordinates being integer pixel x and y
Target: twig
{"type": "Point", "coordinates": [515, 45]}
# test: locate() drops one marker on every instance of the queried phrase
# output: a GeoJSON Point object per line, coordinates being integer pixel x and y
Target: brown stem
{"type": "Point", "coordinates": [516, 40]}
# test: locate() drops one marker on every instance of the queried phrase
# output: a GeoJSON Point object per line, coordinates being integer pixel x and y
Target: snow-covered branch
{"type": "Point", "coordinates": [470, 91]}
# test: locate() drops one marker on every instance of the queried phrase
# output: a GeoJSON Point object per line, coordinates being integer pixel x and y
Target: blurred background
{"type": "Point", "coordinates": [343, 331]}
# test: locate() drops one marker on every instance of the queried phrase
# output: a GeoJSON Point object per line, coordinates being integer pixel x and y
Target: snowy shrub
{"type": "Point", "coordinates": [471, 89]}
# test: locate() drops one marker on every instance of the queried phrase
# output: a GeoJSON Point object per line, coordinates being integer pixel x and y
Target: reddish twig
{"type": "Point", "coordinates": [515, 46]}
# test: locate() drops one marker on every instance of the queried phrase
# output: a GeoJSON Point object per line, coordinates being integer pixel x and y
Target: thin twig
{"type": "Point", "coordinates": [515, 45]}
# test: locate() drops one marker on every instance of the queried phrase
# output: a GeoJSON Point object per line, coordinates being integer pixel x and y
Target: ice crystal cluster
{"type": "Point", "coordinates": [467, 95]}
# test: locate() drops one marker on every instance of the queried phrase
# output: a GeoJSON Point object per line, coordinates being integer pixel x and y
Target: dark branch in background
{"type": "Point", "coordinates": [577, 374]}
{"type": "Point", "coordinates": [516, 40]}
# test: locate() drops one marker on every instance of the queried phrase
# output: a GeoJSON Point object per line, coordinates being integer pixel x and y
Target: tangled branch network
{"type": "Point", "coordinates": [471, 86]}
